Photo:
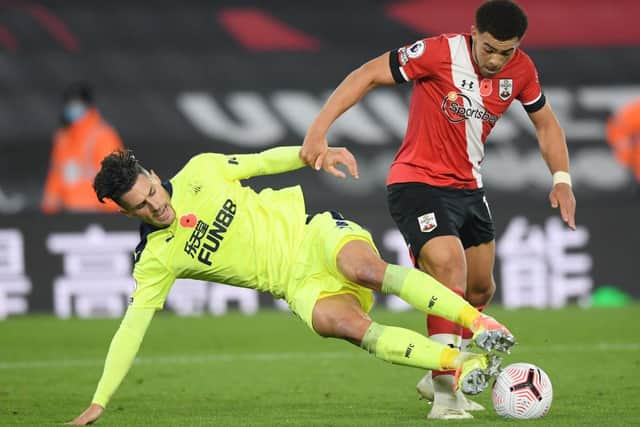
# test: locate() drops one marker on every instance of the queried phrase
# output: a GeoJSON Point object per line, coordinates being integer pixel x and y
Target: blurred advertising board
{"type": "Point", "coordinates": [79, 265]}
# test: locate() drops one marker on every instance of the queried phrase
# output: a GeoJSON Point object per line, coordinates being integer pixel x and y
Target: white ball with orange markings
{"type": "Point", "coordinates": [522, 391]}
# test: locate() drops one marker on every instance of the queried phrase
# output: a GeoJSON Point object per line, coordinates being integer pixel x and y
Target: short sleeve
{"type": "Point", "coordinates": [418, 60]}
{"type": "Point", "coordinates": [531, 95]}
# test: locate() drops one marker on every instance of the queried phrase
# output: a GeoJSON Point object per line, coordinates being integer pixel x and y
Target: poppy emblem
{"type": "Point", "coordinates": [486, 87]}
{"type": "Point", "coordinates": [188, 221]}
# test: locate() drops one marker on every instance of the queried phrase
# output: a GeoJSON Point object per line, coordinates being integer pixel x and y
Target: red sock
{"type": "Point", "coordinates": [438, 325]}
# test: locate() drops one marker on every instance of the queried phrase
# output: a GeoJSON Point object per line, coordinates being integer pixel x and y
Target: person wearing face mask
{"type": "Point", "coordinates": [462, 84]}
{"type": "Point", "coordinates": [623, 135]}
{"type": "Point", "coordinates": [79, 146]}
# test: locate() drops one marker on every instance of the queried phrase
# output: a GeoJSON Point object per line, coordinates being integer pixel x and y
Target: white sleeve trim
{"type": "Point", "coordinates": [534, 101]}
{"type": "Point", "coordinates": [404, 75]}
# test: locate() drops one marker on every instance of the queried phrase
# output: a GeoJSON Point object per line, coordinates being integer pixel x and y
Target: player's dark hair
{"type": "Point", "coordinates": [118, 172]}
{"type": "Point", "coordinates": [503, 19]}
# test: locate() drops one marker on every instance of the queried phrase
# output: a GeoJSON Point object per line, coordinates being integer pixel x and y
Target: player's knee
{"type": "Point", "coordinates": [370, 273]}
{"type": "Point", "coordinates": [445, 261]}
{"type": "Point", "coordinates": [351, 328]}
{"type": "Point", "coordinates": [479, 294]}
{"type": "Point", "coordinates": [450, 272]}
{"type": "Point", "coordinates": [345, 326]}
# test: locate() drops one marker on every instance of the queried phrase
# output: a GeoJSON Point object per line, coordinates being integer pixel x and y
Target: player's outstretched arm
{"type": "Point", "coordinates": [242, 166]}
{"type": "Point", "coordinates": [360, 81]}
{"type": "Point", "coordinates": [555, 153]}
{"type": "Point", "coordinates": [122, 351]}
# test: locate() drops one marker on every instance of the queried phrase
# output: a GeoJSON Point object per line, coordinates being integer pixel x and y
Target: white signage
{"type": "Point", "coordinates": [544, 266]}
{"type": "Point", "coordinates": [14, 284]}
{"type": "Point", "coordinates": [97, 272]}
{"type": "Point", "coordinates": [256, 120]}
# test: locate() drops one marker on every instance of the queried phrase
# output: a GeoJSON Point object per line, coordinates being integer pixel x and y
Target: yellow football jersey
{"type": "Point", "coordinates": [223, 231]}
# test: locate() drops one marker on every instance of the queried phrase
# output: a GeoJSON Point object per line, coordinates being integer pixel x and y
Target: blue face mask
{"type": "Point", "coordinates": [73, 111]}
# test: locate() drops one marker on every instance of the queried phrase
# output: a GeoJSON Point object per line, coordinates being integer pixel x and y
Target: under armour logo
{"type": "Point", "coordinates": [467, 85]}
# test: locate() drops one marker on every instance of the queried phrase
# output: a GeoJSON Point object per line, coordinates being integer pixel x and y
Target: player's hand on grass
{"type": "Point", "coordinates": [342, 156]}
{"type": "Point", "coordinates": [314, 150]}
{"type": "Point", "coordinates": [91, 414]}
{"type": "Point", "coordinates": [562, 196]}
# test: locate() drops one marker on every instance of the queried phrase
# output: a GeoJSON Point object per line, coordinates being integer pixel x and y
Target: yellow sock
{"type": "Point", "coordinates": [427, 294]}
{"type": "Point", "coordinates": [405, 347]}
{"type": "Point", "coordinates": [448, 358]}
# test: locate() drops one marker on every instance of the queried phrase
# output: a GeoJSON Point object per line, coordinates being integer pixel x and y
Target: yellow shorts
{"type": "Point", "coordinates": [316, 275]}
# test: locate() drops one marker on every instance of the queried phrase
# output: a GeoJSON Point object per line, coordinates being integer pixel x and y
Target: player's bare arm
{"type": "Point", "coordinates": [555, 153]}
{"type": "Point", "coordinates": [360, 81]}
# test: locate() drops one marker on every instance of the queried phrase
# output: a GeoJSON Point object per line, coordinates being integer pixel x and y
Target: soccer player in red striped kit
{"type": "Point", "coordinates": [462, 84]}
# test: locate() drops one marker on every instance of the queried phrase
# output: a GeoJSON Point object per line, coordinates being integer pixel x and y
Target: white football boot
{"type": "Point", "coordinates": [446, 405]}
{"type": "Point", "coordinates": [426, 392]}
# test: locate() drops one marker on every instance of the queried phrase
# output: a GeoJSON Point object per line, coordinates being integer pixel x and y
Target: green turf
{"type": "Point", "coordinates": [268, 370]}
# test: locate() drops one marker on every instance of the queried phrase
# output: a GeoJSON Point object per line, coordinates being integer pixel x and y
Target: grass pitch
{"type": "Point", "coordinates": [269, 370]}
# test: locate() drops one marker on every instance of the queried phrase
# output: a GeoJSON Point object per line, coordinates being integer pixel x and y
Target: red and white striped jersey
{"type": "Point", "coordinates": [453, 109]}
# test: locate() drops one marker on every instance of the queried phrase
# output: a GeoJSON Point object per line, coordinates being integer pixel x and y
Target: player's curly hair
{"type": "Point", "coordinates": [118, 172]}
{"type": "Point", "coordinates": [503, 19]}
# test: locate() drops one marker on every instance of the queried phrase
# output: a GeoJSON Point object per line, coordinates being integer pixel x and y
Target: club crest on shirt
{"type": "Point", "coordinates": [506, 89]}
{"type": "Point", "coordinates": [427, 222]}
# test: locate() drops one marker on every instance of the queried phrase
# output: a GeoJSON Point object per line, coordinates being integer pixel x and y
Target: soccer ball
{"type": "Point", "coordinates": [523, 391]}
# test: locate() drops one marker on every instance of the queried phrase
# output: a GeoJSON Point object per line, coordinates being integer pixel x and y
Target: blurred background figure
{"type": "Point", "coordinates": [79, 145]}
{"type": "Point", "coordinates": [623, 134]}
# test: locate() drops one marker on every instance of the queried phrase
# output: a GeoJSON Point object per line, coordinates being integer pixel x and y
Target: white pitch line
{"type": "Point", "coordinates": [559, 348]}
{"type": "Point", "coordinates": [181, 359]}
{"type": "Point", "coordinates": [229, 357]}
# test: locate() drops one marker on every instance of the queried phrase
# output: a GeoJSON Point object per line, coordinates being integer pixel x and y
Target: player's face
{"type": "Point", "coordinates": [491, 54]}
{"type": "Point", "coordinates": [149, 201]}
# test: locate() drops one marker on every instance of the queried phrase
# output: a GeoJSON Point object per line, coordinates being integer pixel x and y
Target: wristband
{"type": "Point", "coordinates": [561, 177]}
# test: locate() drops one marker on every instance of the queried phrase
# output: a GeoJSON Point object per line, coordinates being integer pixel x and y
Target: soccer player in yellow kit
{"type": "Point", "coordinates": [204, 224]}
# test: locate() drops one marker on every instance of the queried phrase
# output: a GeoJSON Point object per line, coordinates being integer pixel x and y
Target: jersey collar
{"type": "Point", "coordinates": [146, 229]}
